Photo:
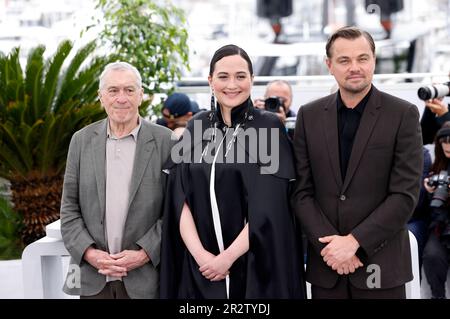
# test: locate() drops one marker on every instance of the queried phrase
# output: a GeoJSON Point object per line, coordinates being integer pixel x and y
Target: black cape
{"type": "Point", "coordinates": [273, 266]}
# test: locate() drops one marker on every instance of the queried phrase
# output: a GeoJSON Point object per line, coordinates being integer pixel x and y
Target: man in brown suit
{"type": "Point", "coordinates": [359, 162]}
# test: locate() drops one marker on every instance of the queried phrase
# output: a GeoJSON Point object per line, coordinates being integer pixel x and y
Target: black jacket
{"type": "Point", "coordinates": [430, 124]}
{"type": "Point", "coordinates": [272, 267]}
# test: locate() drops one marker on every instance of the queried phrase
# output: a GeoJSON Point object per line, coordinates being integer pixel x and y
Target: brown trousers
{"type": "Point", "coordinates": [113, 290]}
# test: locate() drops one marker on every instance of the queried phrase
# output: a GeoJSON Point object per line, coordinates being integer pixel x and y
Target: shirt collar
{"type": "Point", "coordinates": [239, 114]}
{"type": "Point", "coordinates": [359, 107]}
{"type": "Point", "coordinates": [133, 133]}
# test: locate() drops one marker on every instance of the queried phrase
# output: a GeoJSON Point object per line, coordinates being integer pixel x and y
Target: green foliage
{"type": "Point", "coordinates": [10, 246]}
{"type": "Point", "coordinates": [151, 37]}
{"type": "Point", "coordinates": [42, 106]}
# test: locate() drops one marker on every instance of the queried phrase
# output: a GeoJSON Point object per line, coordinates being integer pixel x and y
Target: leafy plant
{"type": "Point", "coordinates": [40, 109]}
{"type": "Point", "coordinates": [151, 37]}
{"type": "Point", "coordinates": [10, 245]}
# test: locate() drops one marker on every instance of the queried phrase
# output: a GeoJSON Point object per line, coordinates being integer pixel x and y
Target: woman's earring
{"type": "Point", "coordinates": [213, 102]}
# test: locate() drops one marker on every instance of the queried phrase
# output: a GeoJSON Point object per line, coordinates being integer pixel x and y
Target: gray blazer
{"type": "Point", "coordinates": [83, 207]}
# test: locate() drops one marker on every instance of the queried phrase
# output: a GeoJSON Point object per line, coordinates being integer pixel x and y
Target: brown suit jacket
{"type": "Point", "coordinates": [379, 192]}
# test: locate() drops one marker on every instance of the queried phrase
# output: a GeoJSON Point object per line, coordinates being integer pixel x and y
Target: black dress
{"type": "Point", "coordinates": [244, 192]}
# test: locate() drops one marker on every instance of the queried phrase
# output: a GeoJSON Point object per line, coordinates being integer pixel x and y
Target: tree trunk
{"type": "Point", "coordinates": [38, 201]}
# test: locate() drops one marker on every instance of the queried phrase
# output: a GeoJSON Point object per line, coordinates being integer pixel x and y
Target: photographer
{"type": "Point", "coordinates": [178, 109]}
{"type": "Point", "coordinates": [436, 252]}
{"type": "Point", "coordinates": [435, 114]}
{"type": "Point", "coordinates": [281, 90]}
{"type": "Point", "coordinates": [436, 110]}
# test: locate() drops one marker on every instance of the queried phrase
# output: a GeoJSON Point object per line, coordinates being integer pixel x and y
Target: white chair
{"type": "Point", "coordinates": [44, 266]}
{"type": "Point", "coordinates": [308, 290]}
{"type": "Point", "coordinates": [413, 287]}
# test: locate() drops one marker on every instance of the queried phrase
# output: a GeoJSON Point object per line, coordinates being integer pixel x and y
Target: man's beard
{"type": "Point", "coordinates": [356, 89]}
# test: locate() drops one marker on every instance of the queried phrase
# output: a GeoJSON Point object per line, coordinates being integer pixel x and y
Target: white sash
{"type": "Point", "coordinates": [215, 211]}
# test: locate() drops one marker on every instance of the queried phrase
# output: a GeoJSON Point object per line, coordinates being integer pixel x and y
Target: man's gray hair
{"type": "Point", "coordinates": [279, 82]}
{"type": "Point", "coordinates": [120, 65]}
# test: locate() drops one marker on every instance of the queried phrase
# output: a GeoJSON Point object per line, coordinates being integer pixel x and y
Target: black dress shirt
{"type": "Point", "coordinates": [348, 123]}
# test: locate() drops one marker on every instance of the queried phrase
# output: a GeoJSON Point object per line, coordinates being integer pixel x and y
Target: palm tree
{"type": "Point", "coordinates": [40, 108]}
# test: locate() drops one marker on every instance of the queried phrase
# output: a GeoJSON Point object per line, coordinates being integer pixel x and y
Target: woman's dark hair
{"type": "Point", "coordinates": [229, 50]}
{"type": "Point", "coordinates": [440, 160]}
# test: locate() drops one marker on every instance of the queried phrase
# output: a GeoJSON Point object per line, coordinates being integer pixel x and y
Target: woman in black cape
{"type": "Point", "coordinates": [228, 231]}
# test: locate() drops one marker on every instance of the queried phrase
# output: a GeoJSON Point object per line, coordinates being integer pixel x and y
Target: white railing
{"type": "Point", "coordinates": [308, 88]}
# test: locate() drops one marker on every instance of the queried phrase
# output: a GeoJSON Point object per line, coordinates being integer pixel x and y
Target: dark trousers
{"type": "Point", "coordinates": [113, 290]}
{"type": "Point", "coordinates": [435, 265]}
{"type": "Point", "coordinates": [345, 290]}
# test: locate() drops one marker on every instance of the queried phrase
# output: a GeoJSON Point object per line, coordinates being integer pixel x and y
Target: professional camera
{"type": "Point", "coordinates": [290, 126]}
{"type": "Point", "coordinates": [434, 91]}
{"type": "Point", "coordinates": [273, 104]}
{"type": "Point", "coordinates": [440, 215]}
{"type": "Point", "coordinates": [441, 182]}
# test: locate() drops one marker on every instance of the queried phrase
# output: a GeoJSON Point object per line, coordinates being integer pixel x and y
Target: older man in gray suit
{"type": "Point", "coordinates": [113, 193]}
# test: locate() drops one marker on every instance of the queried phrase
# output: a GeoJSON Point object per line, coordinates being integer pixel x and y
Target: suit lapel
{"type": "Point", "coordinates": [99, 157]}
{"type": "Point", "coordinates": [332, 137]}
{"type": "Point", "coordinates": [366, 126]}
{"type": "Point", "coordinates": [144, 150]}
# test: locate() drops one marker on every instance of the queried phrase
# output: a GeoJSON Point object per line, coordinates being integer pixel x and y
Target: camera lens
{"type": "Point", "coordinates": [272, 104]}
{"type": "Point", "coordinates": [434, 91]}
{"type": "Point", "coordinates": [441, 182]}
{"type": "Point", "coordinates": [440, 196]}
